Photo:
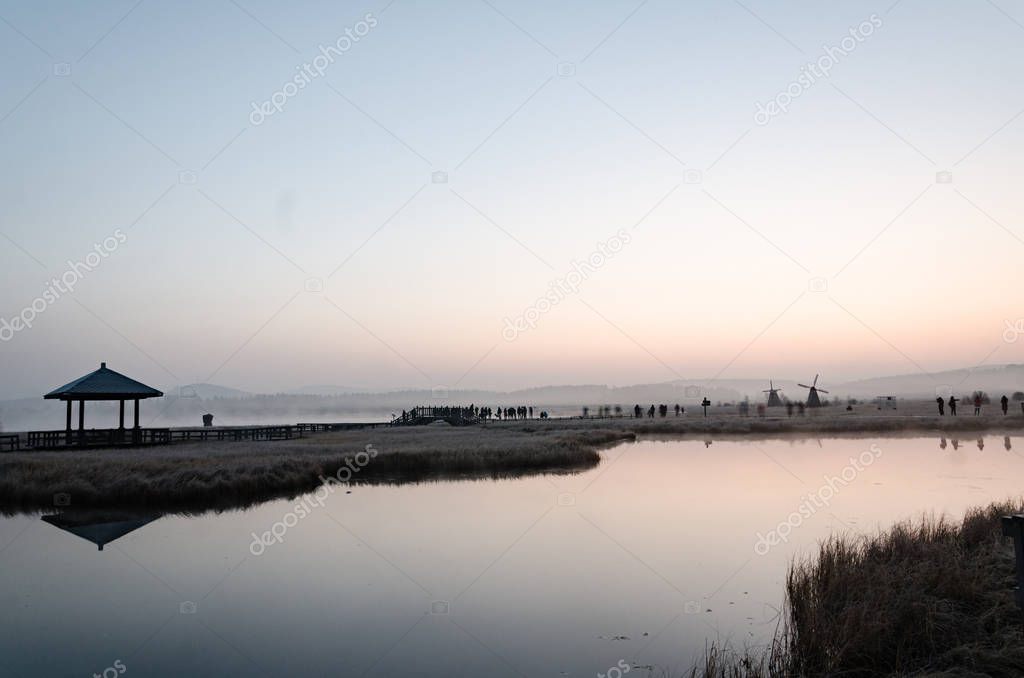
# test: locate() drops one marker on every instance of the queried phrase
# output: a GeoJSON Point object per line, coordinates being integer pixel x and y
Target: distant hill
{"type": "Point", "coordinates": [995, 379]}
{"type": "Point", "coordinates": [326, 390]}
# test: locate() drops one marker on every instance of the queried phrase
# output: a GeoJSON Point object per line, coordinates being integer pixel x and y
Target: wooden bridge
{"type": "Point", "coordinates": [419, 416]}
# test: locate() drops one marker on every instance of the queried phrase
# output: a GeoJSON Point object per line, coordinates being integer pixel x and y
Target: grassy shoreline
{"type": "Point", "coordinates": [199, 476]}
{"type": "Point", "coordinates": [215, 475]}
{"type": "Point", "coordinates": [932, 597]}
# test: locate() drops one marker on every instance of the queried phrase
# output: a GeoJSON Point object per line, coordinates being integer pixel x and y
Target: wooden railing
{"type": "Point", "coordinates": [341, 426]}
{"type": "Point", "coordinates": [9, 442]}
{"type": "Point", "coordinates": [112, 437]}
{"type": "Point", "coordinates": [161, 436]}
{"type": "Point", "coordinates": [237, 433]}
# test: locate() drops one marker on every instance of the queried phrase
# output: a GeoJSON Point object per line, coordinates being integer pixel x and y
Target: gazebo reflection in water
{"type": "Point", "coordinates": [100, 527]}
{"type": "Point", "coordinates": [102, 385]}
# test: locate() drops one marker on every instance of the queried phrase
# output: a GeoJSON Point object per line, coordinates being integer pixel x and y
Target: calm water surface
{"type": "Point", "coordinates": [642, 560]}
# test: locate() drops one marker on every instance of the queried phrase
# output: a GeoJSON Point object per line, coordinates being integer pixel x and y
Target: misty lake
{"type": "Point", "coordinates": [665, 546]}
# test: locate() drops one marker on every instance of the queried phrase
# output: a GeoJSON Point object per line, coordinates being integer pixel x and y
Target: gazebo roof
{"type": "Point", "coordinates": [103, 384]}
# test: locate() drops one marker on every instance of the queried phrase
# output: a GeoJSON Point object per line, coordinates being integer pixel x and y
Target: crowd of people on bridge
{"type": "Point", "coordinates": [468, 412]}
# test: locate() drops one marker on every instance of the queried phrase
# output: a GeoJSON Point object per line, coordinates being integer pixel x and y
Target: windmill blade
{"type": "Point", "coordinates": [804, 386]}
{"type": "Point", "coordinates": [821, 390]}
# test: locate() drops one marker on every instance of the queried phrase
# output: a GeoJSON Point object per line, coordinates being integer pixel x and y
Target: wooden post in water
{"type": "Point", "coordinates": [1013, 526]}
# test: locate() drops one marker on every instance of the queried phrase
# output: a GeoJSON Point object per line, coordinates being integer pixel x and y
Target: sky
{"type": "Point", "coordinates": [496, 194]}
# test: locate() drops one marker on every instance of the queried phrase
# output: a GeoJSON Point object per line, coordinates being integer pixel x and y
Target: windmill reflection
{"type": "Point", "coordinates": [98, 526]}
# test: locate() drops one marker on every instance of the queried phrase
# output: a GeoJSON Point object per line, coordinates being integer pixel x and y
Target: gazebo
{"type": "Point", "coordinates": [103, 384]}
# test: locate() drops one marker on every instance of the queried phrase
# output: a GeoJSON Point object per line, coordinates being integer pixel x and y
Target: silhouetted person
{"type": "Point", "coordinates": [789, 408]}
{"type": "Point", "coordinates": [942, 406]}
{"type": "Point", "coordinates": [677, 409]}
{"type": "Point", "coordinates": [977, 404]}
{"type": "Point", "coordinates": [952, 409]}
{"type": "Point", "coordinates": [650, 412]}
{"type": "Point", "coordinates": [636, 411]}
{"type": "Point", "coordinates": [531, 412]}
{"type": "Point", "coordinates": [1005, 403]}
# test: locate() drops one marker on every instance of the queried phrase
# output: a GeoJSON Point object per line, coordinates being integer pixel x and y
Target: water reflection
{"type": "Point", "coordinates": [100, 527]}
{"type": "Point", "coordinates": [642, 559]}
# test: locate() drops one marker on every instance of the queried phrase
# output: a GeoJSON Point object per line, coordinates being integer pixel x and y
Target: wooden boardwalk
{"type": "Point", "coordinates": [140, 437]}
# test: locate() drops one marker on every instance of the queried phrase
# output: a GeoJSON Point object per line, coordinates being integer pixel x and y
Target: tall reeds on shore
{"type": "Point", "coordinates": [925, 598]}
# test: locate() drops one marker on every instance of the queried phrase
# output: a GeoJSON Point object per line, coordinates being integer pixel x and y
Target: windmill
{"type": "Point", "coordinates": [773, 395]}
{"type": "Point", "coordinates": [812, 397]}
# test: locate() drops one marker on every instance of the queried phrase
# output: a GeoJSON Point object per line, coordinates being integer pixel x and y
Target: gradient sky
{"type": "Point", "coordinates": [543, 163]}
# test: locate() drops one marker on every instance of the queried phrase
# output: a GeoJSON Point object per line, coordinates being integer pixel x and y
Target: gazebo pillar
{"type": "Point", "coordinates": [68, 426]}
{"type": "Point", "coordinates": [121, 419]}
{"type": "Point", "coordinates": [135, 431]}
{"type": "Point", "coordinates": [81, 422]}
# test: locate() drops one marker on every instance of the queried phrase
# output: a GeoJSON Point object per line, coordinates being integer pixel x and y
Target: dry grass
{"type": "Point", "coordinates": [198, 476]}
{"type": "Point", "coordinates": [930, 598]}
